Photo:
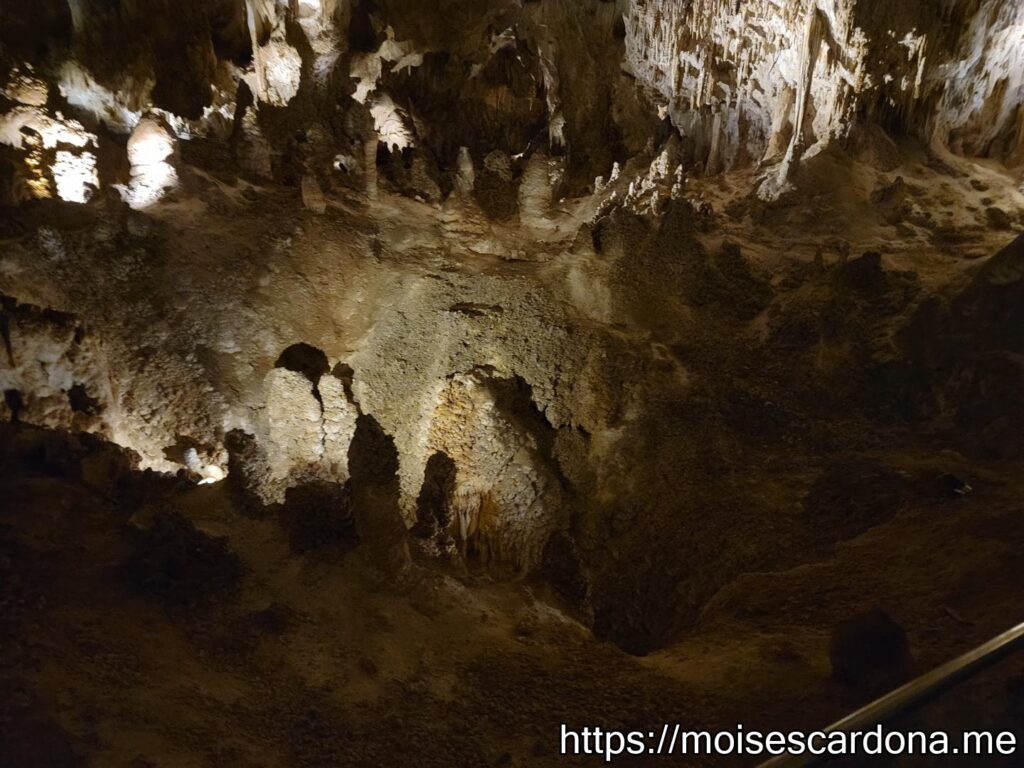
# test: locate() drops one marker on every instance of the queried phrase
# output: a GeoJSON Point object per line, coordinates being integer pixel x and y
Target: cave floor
{"type": "Point", "coordinates": [309, 661]}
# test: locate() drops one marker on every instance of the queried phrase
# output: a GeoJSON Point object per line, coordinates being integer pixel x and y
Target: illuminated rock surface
{"type": "Point", "coordinates": [462, 337]}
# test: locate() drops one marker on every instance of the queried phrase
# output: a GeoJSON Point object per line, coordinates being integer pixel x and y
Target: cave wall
{"type": "Point", "coordinates": [441, 84]}
{"type": "Point", "coordinates": [751, 80]}
{"type": "Point", "coordinates": [400, 187]}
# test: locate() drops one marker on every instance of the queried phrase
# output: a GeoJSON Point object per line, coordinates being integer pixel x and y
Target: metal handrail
{"type": "Point", "coordinates": [914, 693]}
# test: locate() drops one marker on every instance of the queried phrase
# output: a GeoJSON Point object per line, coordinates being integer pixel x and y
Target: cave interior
{"type": "Point", "coordinates": [391, 382]}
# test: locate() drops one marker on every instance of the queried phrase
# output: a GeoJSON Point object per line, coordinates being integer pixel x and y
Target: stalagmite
{"type": "Point", "coordinates": [433, 382]}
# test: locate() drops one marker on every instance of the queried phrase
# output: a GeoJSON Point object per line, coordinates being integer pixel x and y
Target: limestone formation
{"type": "Point", "coordinates": [369, 361]}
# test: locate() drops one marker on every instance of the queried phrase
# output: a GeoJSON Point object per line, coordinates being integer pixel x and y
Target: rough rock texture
{"type": "Point", "coordinates": [759, 81]}
{"type": "Point", "coordinates": [54, 371]}
{"type": "Point", "coordinates": [661, 323]}
{"type": "Point", "coordinates": [275, 657]}
{"type": "Point", "coordinates": [505, 500]}
{"type": "Point", "coordinates": [743, 83]}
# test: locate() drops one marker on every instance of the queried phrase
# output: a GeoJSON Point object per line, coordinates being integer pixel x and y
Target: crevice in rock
{"type": "Point", "coordinates": [514, 397]}
{"type": "Point", "coordinates": [363, 33]}
{"type": "Point", "coordinates": [307, 360]}
{"type": "Point", "coordinates": [81, 402]}
{"type": "Point", "coordinates": [344, 373]}
{"type": "Point", "coordinates": [14, 403]}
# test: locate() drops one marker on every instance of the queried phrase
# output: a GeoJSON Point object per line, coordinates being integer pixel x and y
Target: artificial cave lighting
{"type": "Point", "coordinates": [392, 382]}
{"type": "Point", "coordinates": [75, 176]}
{"type": "Point", "coordinates": [149, 148]}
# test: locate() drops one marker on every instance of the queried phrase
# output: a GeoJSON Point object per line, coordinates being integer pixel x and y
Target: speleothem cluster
{"type": "Point", "coordinates": [611, 277]}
